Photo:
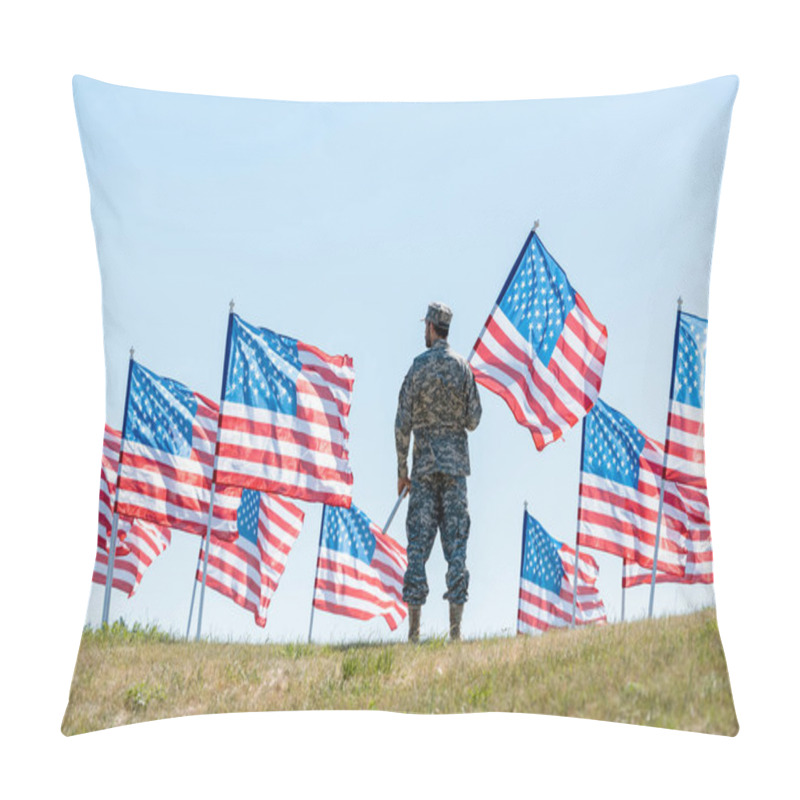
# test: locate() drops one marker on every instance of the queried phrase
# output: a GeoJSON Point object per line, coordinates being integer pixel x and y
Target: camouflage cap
{"type": "Point", "coordinates": [439, 314]}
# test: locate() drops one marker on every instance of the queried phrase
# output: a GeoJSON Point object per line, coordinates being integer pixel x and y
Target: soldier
{"type": "Point", "coordinates": [439, 402]}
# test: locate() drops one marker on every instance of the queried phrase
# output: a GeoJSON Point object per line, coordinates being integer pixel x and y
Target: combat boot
{"type": "Point", "coordinates": [456, 611]}
{"type": "Point", "coordinates": [414, 614]}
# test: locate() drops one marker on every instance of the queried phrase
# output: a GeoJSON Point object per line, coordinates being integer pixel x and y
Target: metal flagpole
{"type": "Point", "coordinates": [522, 556]}
{"type": "Point", "coordinates": [577, 531]}
{"type": "Point", "coordinates": [664, 465]}
{"type": "Point", "coordinates": [194, 590]}
{"type": "Point", "coordinates": [622, 617]}
{"type": "Point", "coordinates": [213, 475]}
{"type": "Point", "coordinates": [316, 570]}
{"type": "Point", "coordinates": [394, 510]}
{"type": "Point", "coordinates": [115, 517]}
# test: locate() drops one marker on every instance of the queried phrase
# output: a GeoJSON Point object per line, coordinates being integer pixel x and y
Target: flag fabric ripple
{"type": "Point", "coordinates": [167, 453]}
{"type": "Point", "coordinates": [360, 569]}
{"type": "Point", "coordinates": [284, 421]}
{"type": "Point", "coordinates": [619, 493]}
{"type": "Point", "coordinates": [685, 430]}
{"type": "Point", "coordinates": [541, 348]}
{"type": "Point", "coordinates": [547, 581]}
{"type": "Point", "coordinates": [248, 569]}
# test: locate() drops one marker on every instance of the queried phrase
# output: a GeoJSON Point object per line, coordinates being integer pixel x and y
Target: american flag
{"type": "Point", "coordinates": [360, 569]}
{"type": "Point", "coordinates": [686, 512]}
{"type": "Point", "coordinates": [541, 349]}
{"type": "Point", "coordinates": [248, 569]}
{"type": "Point", "coordinates": [168, 456]}
{"type": "Point", "coordinates": [283, 426]}
{"type": "Point", "coordinates": [138, 542]}
{"type": "Point", "coordinates": [685, 432]}
{"type": "Point", "coordinates": [619, 492]}
{"type": "Point", "coordinates": [546, 585]}
{"type": "Point", "coordinates": [144, 542]}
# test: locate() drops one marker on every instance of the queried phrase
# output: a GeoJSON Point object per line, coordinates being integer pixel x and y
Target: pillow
{"type": "Point", "coordinates": [265, 267]}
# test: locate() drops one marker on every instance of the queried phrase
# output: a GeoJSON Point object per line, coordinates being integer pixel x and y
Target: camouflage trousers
{"type": "Point", "coordinates": [437, 501]}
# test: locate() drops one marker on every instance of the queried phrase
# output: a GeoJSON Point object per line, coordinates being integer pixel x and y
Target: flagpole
{"type": "Point", "coordinates": [522, 555]}
{"type": "Point", "coordinates": [622, 617]}
{"type": "Point", "coordinates": [577, 532]}
{"type": "Point", "coordinates": [194, 590]}
{"type": "Point", "coordinates": [664, 464]}
{"type": "Point", "coordinates": [316, 569]}
{"type": "Point", "coordinates": [115, 517]}
{"type": "Point", "coordinates": [394, 510]}
{"type": "Point", "coordinates": [214, 475]}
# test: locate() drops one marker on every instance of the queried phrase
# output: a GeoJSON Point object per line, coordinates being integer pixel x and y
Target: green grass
{"type": "Point", "coordinates": [668, 672]}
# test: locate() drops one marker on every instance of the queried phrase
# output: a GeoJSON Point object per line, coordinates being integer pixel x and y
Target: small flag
{"type": "Point", "coordinates": [686, 512]}
{"type": "Point", "coordinates": [283, 426]}
{"type": "Point", "coordinates": [547, 581]}
{"type": "Point", "coordinates": [143, 543]}
{"type": "Point", "coordinates": [541, 348]}
{"type": "Point", "coordinates": [360, 569]}
{"type": "Point", "coordinates": [619, 492]}
{"type": "Point", "coordinates": [685, 446]}
{"type": "Point", "coordinates": [248, 569]}
{"type": "Point", "coordinates": [167, 453]}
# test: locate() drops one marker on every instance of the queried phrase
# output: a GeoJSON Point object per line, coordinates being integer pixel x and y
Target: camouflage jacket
{"type": "Point", "coordinates": [439, 402]}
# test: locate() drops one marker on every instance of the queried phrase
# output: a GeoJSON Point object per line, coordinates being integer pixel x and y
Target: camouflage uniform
{"type": "Point", "coordinates": [439, 402]}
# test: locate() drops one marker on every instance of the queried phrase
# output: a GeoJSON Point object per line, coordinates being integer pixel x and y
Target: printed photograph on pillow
{"type": "Point", "coordinates": [404, 407]}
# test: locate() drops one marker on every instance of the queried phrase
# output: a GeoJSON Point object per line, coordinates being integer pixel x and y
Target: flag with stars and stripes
{"type": "Point", "coordinates": [284, 421]}
{"type": "Point", "coordinates": [143, 543]}
{"type": "Point", "coordinates": [138, 543]}
{"type": "Point", "coordinates": [619, 493]}
{"type": "Point", "coordinates": [547, 582]}
{"type": "Point", "coordinates": [685, 431]}
{"type": "Point", "coordinates": [686, 512]}
{"type": "Point", "coordinates": [167, 453]}
{"type": "Point", "coordinates": [541, 348]}
{"type": "Point", "coordinates": [248, 569]}
{"type": "Point", "coordinates": [360, 569]}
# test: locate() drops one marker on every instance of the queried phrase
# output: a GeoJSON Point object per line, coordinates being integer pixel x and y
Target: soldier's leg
{"type": "Point", "coordinates": [421, 532]}
{"type": "Point", "coordinates": [455, 532]}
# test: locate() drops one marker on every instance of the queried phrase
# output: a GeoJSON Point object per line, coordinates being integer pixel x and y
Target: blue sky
{"type": "Point", "coordinates": [337, 223]}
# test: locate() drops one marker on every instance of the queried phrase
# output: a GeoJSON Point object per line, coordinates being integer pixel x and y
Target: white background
{"type": "Point", "coordinates": [52, 388]}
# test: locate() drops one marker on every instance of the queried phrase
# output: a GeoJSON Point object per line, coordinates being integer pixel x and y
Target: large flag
{"type": "Point", "coordinates": [248, 569]}
{"type": "Point", "coordinates": [541, 348]}
{"type": "Point", "coordinates": [360, 569]}
{"type": "Point", "coordinates": [686, 512]}
{"type": "Point", "coordinates": [619, 493]}
{"type": "Point", "coordinates": [168, 457]}
{"type": "Point", "coordinates": [546, 585]}
{"type": "Point", "coordinates": [283, 426]}
{"type": "Point", "coordinates": [143, 543]}
{"type": "Point", "coordinates": [685, 447]}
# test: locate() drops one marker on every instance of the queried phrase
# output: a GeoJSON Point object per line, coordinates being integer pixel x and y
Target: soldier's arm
{"type": "Point", "coordinates": [402, 428]}
{"type": "Point", "coordinates": [473, 403]}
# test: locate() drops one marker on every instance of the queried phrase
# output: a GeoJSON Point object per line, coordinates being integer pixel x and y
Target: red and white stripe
{"type": "Point", "coordinates": [143, 542]}
{"type": "Point", "coordinates": [168, 489]}
{"type": "Point", "coordinates": [686, 512]}
{"type": "Point", "coordinates": [304, 455]}
{"type": "Point", "coordinates": [541, 609]}
{"type": "Point", "coordinates": [548, 399]}
{"type": "Point", "coordinates": [622, 520]}
{"type": "Point", "coordinates": [246, 572]}
{"type": "Point", "coordinates": [686, 457]}
{"type": "Point", "coordinates": [348, 586]}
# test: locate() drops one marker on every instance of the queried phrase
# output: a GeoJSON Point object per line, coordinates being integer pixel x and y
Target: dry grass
{"type": "Point", "coordinates": [668, 673]}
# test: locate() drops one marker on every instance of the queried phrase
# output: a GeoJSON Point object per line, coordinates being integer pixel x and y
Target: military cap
{"type": "Point", "coordinates": [439, 314]}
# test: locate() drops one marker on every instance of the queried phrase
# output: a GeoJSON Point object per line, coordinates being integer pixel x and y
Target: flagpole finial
{"type": "Point", "coordinates": [526, 505]}
{"type": "Point", "coordinates": [131, 352]}
{"type": "Point", "coordinates": [230, 306]}
{"type": "Point", "coordinates": [680, 303]}
{"type": "Point", "coordinates": [535, 226]}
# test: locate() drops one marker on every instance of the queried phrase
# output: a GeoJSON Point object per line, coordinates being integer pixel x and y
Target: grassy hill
{"type": "Point", "coordinates": [668, 672]}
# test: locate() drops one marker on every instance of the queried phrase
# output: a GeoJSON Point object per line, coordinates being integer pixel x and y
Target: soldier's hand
{"type": "Point", "coordinates": [403, 483]}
